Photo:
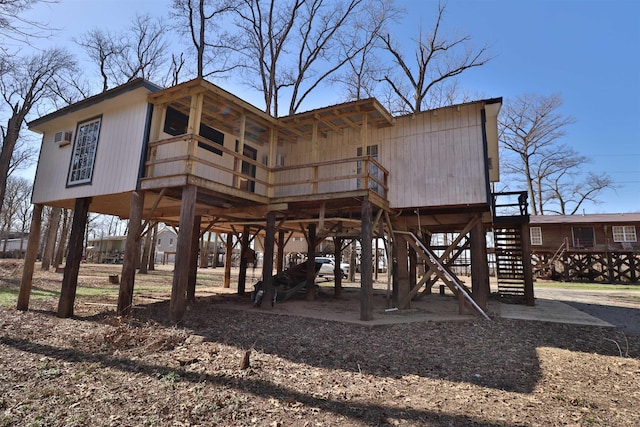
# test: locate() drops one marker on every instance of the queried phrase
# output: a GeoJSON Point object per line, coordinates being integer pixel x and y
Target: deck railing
{"type": "Point", "coordinates": [510, 206]}
{"type": "Point", "coordinates": [192, 154]}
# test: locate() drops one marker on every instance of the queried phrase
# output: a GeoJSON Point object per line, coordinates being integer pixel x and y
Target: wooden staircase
{"type": "Point", "coordinates": [509, 263]}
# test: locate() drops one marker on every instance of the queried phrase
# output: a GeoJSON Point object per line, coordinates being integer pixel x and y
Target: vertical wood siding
{"type": "Point", "coordinates": [433, 159]}
{"type": "Point", "coordinates": [118, 153]}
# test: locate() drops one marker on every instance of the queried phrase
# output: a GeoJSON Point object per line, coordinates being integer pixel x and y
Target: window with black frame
{"type": "Point", "coordinates": [84, 151]}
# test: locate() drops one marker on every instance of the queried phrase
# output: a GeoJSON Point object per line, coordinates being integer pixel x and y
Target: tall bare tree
{"type": "Point", "coordinates": [203, 22]}
{"type": "Point", "coordinates": [363, 72]}
{"type": "Point", "coordinates": [289, 48]}
{"type": "Point", "coordinates": [29, 82]}
{"type": "Point", "coordinates": [138, 51]}
{"type": "Point", "coordinates": [438, 60]}
{"type": "Point", "coordinates": [531, 128]}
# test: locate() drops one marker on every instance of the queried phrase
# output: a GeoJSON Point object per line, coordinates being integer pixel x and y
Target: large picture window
{"type": "Point", "coordinates": [624, 233]}
{"type": "Point", "coordinates": [84, 152]}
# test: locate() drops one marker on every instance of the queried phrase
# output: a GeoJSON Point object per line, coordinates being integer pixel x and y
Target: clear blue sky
{"type": "Point", "coordinates": [588, 51]}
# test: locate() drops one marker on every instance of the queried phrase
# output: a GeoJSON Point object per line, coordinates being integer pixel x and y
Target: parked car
{"type": "Point", "coordinates": [327, 267]}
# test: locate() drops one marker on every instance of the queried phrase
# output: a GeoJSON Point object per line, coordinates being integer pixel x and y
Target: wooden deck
{"type": "Point", "coordinates": [228, 197]}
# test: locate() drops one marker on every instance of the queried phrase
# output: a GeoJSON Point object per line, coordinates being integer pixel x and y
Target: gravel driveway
{"type": "Point", "coordinates": [620, 308]}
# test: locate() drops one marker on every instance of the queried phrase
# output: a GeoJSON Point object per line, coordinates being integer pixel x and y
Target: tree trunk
{"type": "Point", "coordinates": [144, 261]}
{"type": "Point", "coordinates": [51, 235]}
{"type": "Point", "coordinates": [62, 239]}
{"type": "Point", "coordinates": [8, 145]}
{"type": "Point", "coordinates": [152, 253]}
{"type": "Point", "coordinates": [70, 278]}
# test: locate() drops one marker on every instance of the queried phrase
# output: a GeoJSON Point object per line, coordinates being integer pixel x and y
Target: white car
{"type": "Point", "coordinates": [327, 267]}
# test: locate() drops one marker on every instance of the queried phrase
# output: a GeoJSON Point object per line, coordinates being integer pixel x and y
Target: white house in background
{"type": "Point", "coordinates": [166, 242]}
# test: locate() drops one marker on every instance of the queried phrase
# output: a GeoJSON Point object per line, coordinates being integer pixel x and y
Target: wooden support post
{"type": "Point", "coordinates": [131, 254]}
{"type": "Point", "coordinates": [526, 265]}
{"type": "Point", "coordinates": [193, 260]}
{"type": "Point", "coordinates": [402, 286]}
{"type": "Point", "coordinates": [30, 258]}
{"type": "Point", "coordinates": [177, 306]}
{"type": "Point", "coordinates": [413, 270]}
{"type": "Point", "coordinates": [280, 255]}
{"type": "Point", "coordinates": [242, 275]}
{"type": "Point", "coordinates": [366, 261]}
{"type": "Point", "coordinates": [267, 261]}
{"type": "Point", "coordinates": [74, 257]}
{"type": "Point", "coordinates": [480, 288]}
{"type": "Point", "coordinates": [337, 255]}
{"type": "Point", "coordinates": [227, 260]}
{"type": "Point", "coordinates": [376, 261]}
{"type": "Point", "coordinates": [311, 263]}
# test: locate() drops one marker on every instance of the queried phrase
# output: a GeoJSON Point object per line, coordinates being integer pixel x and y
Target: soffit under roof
{"type": "Point", "coordinates": [223, 110]}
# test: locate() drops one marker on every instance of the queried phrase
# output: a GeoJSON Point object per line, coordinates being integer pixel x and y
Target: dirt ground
{"type": "Point", "coordinates": [98, 369]}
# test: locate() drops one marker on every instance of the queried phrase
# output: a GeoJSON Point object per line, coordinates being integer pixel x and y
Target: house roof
{"type": "Point", "coordinates": [222, 108]}
{"type": "Point", "coordinates": [119, 90]}
{"type": "Point", "coordinates": [585, 219]}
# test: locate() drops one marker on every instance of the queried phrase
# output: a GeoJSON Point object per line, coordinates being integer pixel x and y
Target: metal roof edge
{"type": "Point", "coordinates": [92, 100]}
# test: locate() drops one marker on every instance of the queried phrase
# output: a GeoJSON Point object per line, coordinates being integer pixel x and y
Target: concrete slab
{"type": "Point", "coordinates": [431, 308]}
{"type": "Point", "coordinates": [546, 310]}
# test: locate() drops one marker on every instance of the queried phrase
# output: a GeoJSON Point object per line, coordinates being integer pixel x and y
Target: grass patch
{"type": "Point", "coordinates": [586, 286]}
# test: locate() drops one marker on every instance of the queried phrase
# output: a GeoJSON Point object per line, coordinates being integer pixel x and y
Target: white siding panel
{"type": "Point", "coordinates": [118, 152]}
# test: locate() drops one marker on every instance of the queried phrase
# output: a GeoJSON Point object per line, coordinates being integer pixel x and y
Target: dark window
{"type": "Point", "coordinates": [248, 169]}
{"type": "Point", "coordinates": [583, 237]}
{"type": "Point", "coordinates": [175, 123]}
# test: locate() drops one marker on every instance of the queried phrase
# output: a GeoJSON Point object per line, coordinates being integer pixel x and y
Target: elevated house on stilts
{"type": "Point", "coordinates": [201, 159]}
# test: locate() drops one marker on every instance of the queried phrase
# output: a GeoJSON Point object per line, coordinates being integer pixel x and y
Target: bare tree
{"type": "Point", "coordinates": [137, 52]}
{"type": "Point", "coordinates": [15, 26]}
{"type": "Point", "coordinates": [102, 47]}
{"type": "Point", "coordinates": [438, 60]}
{"type": "Point", "coordinates": [363, 72]}
{"type": "Point", "coordinates": [28, 83]}
{"type": "Point", "coordinates": [17, 191]}
{"type": "Point", "coordinates": [569, 190]}
{"type": "Point", "coordinates": [290, 48]}
{"type": "Point", "coordinates": [531, 128]}
{"type": "Point", "coordinates": [202, 22]}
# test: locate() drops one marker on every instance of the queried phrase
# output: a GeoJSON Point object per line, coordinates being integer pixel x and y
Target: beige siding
{"type": "Point", "coordinates": [118, 152]}
{"type": "Point", "coordinates": [433, 158]}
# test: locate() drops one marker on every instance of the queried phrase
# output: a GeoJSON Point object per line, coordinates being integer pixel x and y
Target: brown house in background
{"type": "Point", "coordinates": [596, 248]}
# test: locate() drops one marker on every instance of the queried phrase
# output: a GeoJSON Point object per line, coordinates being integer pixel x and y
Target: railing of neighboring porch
{"type": "Point", "coordinates": [192, 154]}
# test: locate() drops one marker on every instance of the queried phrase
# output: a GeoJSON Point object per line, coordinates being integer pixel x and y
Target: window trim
{"type": "Point", "coordinates": [583, 244]}
{"type": "Point", "coordinates": [538, 238]}
{"type": "Point", "coordinates": [633, 237]}
{"type": "Point", "coordinates": [74, 154]}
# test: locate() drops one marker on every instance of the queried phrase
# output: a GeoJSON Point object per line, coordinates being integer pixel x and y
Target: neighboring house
{"type": "Point", "coordinates": [106, 250]}
{"type": "Point", "coordinates": [201, 159]}
{"type": "Point", "coordinates": [596, 247]}
{"type": "Point", "coordinates": [166, 241]}
{"type": "Point", "coordinates": [13, 246]}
